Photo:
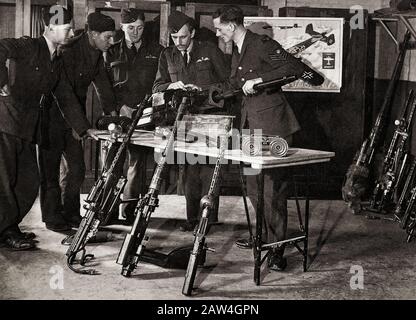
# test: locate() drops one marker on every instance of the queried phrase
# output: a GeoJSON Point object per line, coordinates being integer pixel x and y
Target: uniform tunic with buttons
{"type": "Point", "coordinates": [132, 76]}
{"type": "Point", "coordinates": [133, 73]}
{"type": "Point", "coordinates": [61, 182]}
{"type": "Point", "coordinates": [207, 66]}
{"type": "Point", "coordinates": [84, 65]}
{"type": "Point", "coordinates": [263, 57]}
{"type": "Point", "coordinates": [35, 75]}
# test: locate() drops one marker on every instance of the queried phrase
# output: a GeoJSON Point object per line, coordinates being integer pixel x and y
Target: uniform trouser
{"type": "Point", "coordinates": [19, 179]}
{"type": "Point", "coordinates": [275, 201]}
{"type": "Point", "coordinates": [62, 174]}
{"type": "Point", "coordinates": [197, 180]}
{"type": "Point", "coordinates": [136, 177]}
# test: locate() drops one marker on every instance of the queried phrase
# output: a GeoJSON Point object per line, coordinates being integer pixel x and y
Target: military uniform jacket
{"type": "Point", "coordinates": [83, 65]}
{"type": "Point", "coordinates": [263, 57]}
{"type": "Point", "coordinates": [207, 66]}
{"type": "Point", "coordinates": [132, 73]}
{"type": "Point", "coordinates": [35, 75]}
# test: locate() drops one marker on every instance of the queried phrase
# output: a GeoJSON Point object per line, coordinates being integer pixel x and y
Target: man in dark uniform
{"type": "Point", "coordinates": [83, 64]}
{"type": "Point", "coordinates": [133, 64]}
{"type": "Point", "coordinates": [191, 64]}
{"type": "Point", "coordinates": [258, 58]}
{"type": "Point", "coordinates": [38, 81]}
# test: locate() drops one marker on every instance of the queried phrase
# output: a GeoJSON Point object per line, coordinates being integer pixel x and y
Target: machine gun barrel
{"type": "Point", "coordinates": [102, 198]}
{"type": "Point", "coordinates": [198, 253]}
{"type": "Point", "coordinates": [133, 245]}
{"type": "Point", "coordinates": [217, 96]}
{"type": "Point", "coordinates": [379, 125]}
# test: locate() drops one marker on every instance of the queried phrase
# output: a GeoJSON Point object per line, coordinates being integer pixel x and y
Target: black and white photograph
{"type": "Point", "coordinates": [207, 158]}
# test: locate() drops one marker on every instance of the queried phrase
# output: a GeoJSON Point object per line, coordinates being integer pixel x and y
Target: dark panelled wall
{"type": "Point", "coordinates": [335, 121]}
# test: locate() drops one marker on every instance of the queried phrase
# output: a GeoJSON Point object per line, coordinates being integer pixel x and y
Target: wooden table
{"type": "Point", "coordinates": [295, 157]}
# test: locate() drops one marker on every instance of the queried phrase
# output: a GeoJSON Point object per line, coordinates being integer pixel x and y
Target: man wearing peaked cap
{"type": "Point", "coordinates": [190, 64]}
{"type": "Point", "coordinates": [38, 77]}
{"type": "Point", "coordinates": [258, 58]}
{"type": "Point", "coordinates": [132, 62]}
{"type": "Point", "coordinates": [63, 164]}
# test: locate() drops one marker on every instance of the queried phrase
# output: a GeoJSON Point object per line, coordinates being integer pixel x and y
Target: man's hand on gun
{"type": "Point", "coordinates": [94, 134]}
{"type": "Point", "coordinates": [180, 85]}
{"type": "Point", "coordinates": [248, 87]}
{"type": "Point", "coordinates": [5, 91]}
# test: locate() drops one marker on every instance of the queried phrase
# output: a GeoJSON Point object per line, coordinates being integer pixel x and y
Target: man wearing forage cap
{"type": "Point", "coordinates": [191, 64]}
{"type": "Point", "coordinates": [133, 64]}
{"type": "Point", "coordinates": [83, 65]}
{"type": "Point", "coordinates": [38, 77]}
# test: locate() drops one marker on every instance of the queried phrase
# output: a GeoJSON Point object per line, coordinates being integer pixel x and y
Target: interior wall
{"type": "Point", "coordinates": [370, 5]}
{"type": "Point", "coordinates": [7, 20]}
{"type": "Point", "coordinates": [384, 50]}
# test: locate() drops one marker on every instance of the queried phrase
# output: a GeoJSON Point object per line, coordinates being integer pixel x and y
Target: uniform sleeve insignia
{"type": "Point", "coordinates": [278, 55]}
{"type": "Point", "coordinates": [150, 56]}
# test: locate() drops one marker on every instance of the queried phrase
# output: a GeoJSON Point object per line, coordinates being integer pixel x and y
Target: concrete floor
{"type": "Point", "coordinates": [340, 244]}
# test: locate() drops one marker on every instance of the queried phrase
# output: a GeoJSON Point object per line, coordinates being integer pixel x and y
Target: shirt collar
{"type": "Point", "coordinates": [189, 49]}
{"type": "Point", "coordinates": [52, 48]}
{"type": "Point", "coordinates": [239, 42]}
{"type": "Point", "coordinates": [137, 44]}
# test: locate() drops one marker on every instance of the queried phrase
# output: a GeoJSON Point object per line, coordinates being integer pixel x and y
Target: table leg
{"type": "Point", "coordinates": [259, 226]}
{"type": "Point", "coordinates": [244, 194]}
{"type": "Point", "coordinates": [306, 232]}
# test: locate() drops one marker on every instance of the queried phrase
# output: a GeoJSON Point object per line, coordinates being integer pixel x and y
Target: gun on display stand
{"type": "Point", "coordinates": [356, 179]}
{"type": "Point", "coordinates": [101, 200]}
{"type": "Point", "coordinates": [395, 160]}
{"type": "Point", "coordinates": [133, 247]}
{"type": "Point", "coordinates": [199, 249]}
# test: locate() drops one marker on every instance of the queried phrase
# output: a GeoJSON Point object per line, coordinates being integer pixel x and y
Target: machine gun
{"type": "Point", "coordinates": [216, 94]}
{"type": "Point", "coordinates": [395, 159]}
{"type": "Point", "coordinates": [404, 197]}
{"type": "Point", "coordinates": [408, 222]}
{"type": "Point", "coordinates": [207, 205]}
{"type": "Point", "coordinates": [133, 246]}
{"type": "Point", "coordinates": [100, 202]}
{"type": "Point", "coordinates": [356, 180]}
{"type": "Point", "coordinates": [198, 253]}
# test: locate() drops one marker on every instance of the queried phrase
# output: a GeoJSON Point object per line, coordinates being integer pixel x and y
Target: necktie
{"type": "Point", "coordinates": [134, 49]}
{"type": "Point", "coordinates": [53, 57]}
{"type": "Point", "coordinates": [185, 58]}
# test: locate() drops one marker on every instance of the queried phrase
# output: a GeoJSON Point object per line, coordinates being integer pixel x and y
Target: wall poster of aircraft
{"type": "Point", "coordinates": [317, 41]}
